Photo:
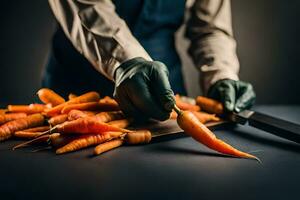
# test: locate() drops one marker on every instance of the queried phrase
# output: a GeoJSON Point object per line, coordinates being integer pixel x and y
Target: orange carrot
{"type": "Point", "coordinates": [29, 109]}
{"type": "Point", "coordinates": [102, 105]}
{"type": "Point", "coordinates": [38, 108]}
{"type": "Point", "coordinates": [210, 105]}
{"type": "Point", "coordinates": [101, 148]}
{"type": "Point", "coordinates": [18, 108]}
{"type": "Point", "coordinates": [203, 117]}
{"type": "Point", "coordinates": [87, 97]}
{"type": "Point", "coordinates": [108, 104]}
{"type": "Point", "coordinates": [121, 123]}
{"type": "Point", "coordinates": [37, 129]}
{"type": "Point", "coordinates": [76, 114]}
{"type": "Point", "coordinates": [206, 117]}
{"type": "Point", "coordinates": [184, 105]}
{"type": "Point", "coordinates": [31, 132]}
{"type": "Point", "coordinates": [138, 137]}
{"type": "Point", "coordinates": [173, 115]}
{"type": "Point", "coordinates": [3, 111]}
{"type": "Point", "coordinates": [11, 116]}
{"type": "Point", "coordinates": [58, 119]}
{"type": "Point", "coordinates": [58, 140]}
{"type": "Point", "coordinates": [110, 116]}
{"type": "Point", "coordinates": [114, 134]}
{"type": "Point", "coordinates": [81, 106]}
{"type": "Point", "coordinates": [27, 135]}
{"type": "Point", "coordinates": [72, 96]}
{"type": "Point", "coordinates": [48, 96]}
{"type": "Point", "coordinates": [108, 99]}
{"type": "Point", "coordinates": [192, 126]}
{"type": "Point", "coordinates": [7, 129]}
{"type": "Point", "coordinates": [87, 125]}
{"type": "Point", "coordinates": [83, 142]}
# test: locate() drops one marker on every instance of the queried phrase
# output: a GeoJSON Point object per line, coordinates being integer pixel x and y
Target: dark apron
{"type": "Point", "coordinates": [152, 22]}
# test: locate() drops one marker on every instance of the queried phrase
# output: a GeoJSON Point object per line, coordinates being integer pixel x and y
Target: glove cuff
{"type": "Point", "coordinates": [127, 64]}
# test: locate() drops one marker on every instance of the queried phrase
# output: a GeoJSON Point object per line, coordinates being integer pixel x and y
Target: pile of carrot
{"type": "Point", "coordinates": [87, 120]}
{"type": "Point", "coordinates": [70, 125]}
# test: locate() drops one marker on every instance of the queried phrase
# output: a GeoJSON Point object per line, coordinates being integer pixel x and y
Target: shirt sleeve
{"type": "Point", "coordinates": [212, 48]}
{"type": "Point", "coordinates": [98, 33]}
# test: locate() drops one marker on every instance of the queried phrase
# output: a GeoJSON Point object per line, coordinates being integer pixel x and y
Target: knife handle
{"type": "Point", "coordinates": [279, 127]}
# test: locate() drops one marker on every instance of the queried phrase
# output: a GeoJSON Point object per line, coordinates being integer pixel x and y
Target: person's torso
{"type": "Point", "coordinates": [153, 23]}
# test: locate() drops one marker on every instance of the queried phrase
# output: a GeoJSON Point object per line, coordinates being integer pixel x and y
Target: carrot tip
{"type": "Point", "coordinates": [252, 157]}
{"type": "Point", "coordinates": [257, 159]}
{"type": "Point", "coordinates": [20, 146]}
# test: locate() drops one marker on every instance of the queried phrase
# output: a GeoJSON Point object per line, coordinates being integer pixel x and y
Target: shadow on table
{"type": "Point", "coordinates": [180, 150]}
{"type": "Point", "coordinates": [280, 143]}
{"type": "Point", "coordinates": [236, 132]}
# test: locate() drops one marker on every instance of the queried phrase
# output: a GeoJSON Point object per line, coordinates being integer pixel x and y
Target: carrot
{"type": "Point", "coordinates": [11, 116]}
{"type": "Point", "coordinates": [101, 148]}
{"type": "Point", "coordinates": [3, 111]}
{"type": "Point", "coordinates": [76, 114]}
{"type": "Point", "coordinates": [48, 96]}
{"type": "Point", "coordinates": [38, 108]}
{"type": "Point", "coordinates": [121, 123]}
{"type": "Point", "coordinates": [184, 105]}
{"type": "Point", "coordinates": [58, 119]}
{"type": "Point", "coordinates": [72, 96]}
{"type": "Point", "coordinates": [109, 104]}
{"type": "Point", "coordinates": [102, 105]}
{"type": "Point", "coordinates": [114, 134]}
{"type": "Point", "coordinates": [108, 99]}
{"type": "Point", "coordinates": [87, 97]}
{"type": "Point", "coordinates": [138, 137]}
{"type": "Point", "coordinates": [26, 134]}
{"type": "Point", "coordinates": [37, 129]}
{"type": "Point", "coordinates": [210, 105]}
{"type": "Point", "coordinates": [28, 109]}
{"type": "Point", "coordinates": [192, 126]}
{"type": "Point", "coordinates": [81, 106]}
{"type": "Point", "coordinates": [31, 132]}
{"type": "Point", "coordinates": [87, 125]}
{"type": "Point", "coordinates": [83, 142]}
{"type": "Point", "coordinates": [110, 116]}
{"type": "Point", "coordinates": [58, 140]}
{"type": "Point", "coordinates": [173, 115]}
{"type": "Point", "coordinates": [7, 129]}
{"type": "Point", "coordinates": [204, 117]}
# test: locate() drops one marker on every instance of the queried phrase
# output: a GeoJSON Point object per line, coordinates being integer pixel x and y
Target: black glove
{"type": "Point", "coordinates": [235, 95]}
{"type": "Point", "coordinates": [142, 89]}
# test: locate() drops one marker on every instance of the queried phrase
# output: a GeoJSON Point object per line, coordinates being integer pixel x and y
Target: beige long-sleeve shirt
{"type": "Point", "coordinates": [99, 34]}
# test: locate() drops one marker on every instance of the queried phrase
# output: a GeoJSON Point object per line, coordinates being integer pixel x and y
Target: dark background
{"type": "Point", "coordinates": [266, 32]}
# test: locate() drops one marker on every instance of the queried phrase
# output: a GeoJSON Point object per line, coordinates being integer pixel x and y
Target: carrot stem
{"type": "Point", "coordinates": [43, 138]}
{"type": "Point", "coordinates": [177, 110]}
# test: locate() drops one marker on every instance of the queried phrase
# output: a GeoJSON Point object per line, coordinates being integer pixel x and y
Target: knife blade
{"type": "Point", "coordinates": [273, 125]}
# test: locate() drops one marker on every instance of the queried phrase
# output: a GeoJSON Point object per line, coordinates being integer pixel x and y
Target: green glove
{"type": "Point", "coordinates": [142, 89]}
{"type": "Point", "coordinates": [235, 95]}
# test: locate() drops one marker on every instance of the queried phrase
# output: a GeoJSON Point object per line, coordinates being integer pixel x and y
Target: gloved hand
{"type": "Point", "coordinates": [235, 95]}
{"type": "Point", "coordinates": [142, 89]}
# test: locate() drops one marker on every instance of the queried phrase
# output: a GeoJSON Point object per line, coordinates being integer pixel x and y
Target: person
{"type": "Point", "coordinates": [127, 49]}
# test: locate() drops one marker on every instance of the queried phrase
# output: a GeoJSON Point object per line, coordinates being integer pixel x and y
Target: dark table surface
{"type": "Point", "coordinates": [172, 169]}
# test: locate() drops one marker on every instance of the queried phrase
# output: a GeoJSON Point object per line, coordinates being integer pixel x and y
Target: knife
{"type": "Point", "coordinates": [275, 126]}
